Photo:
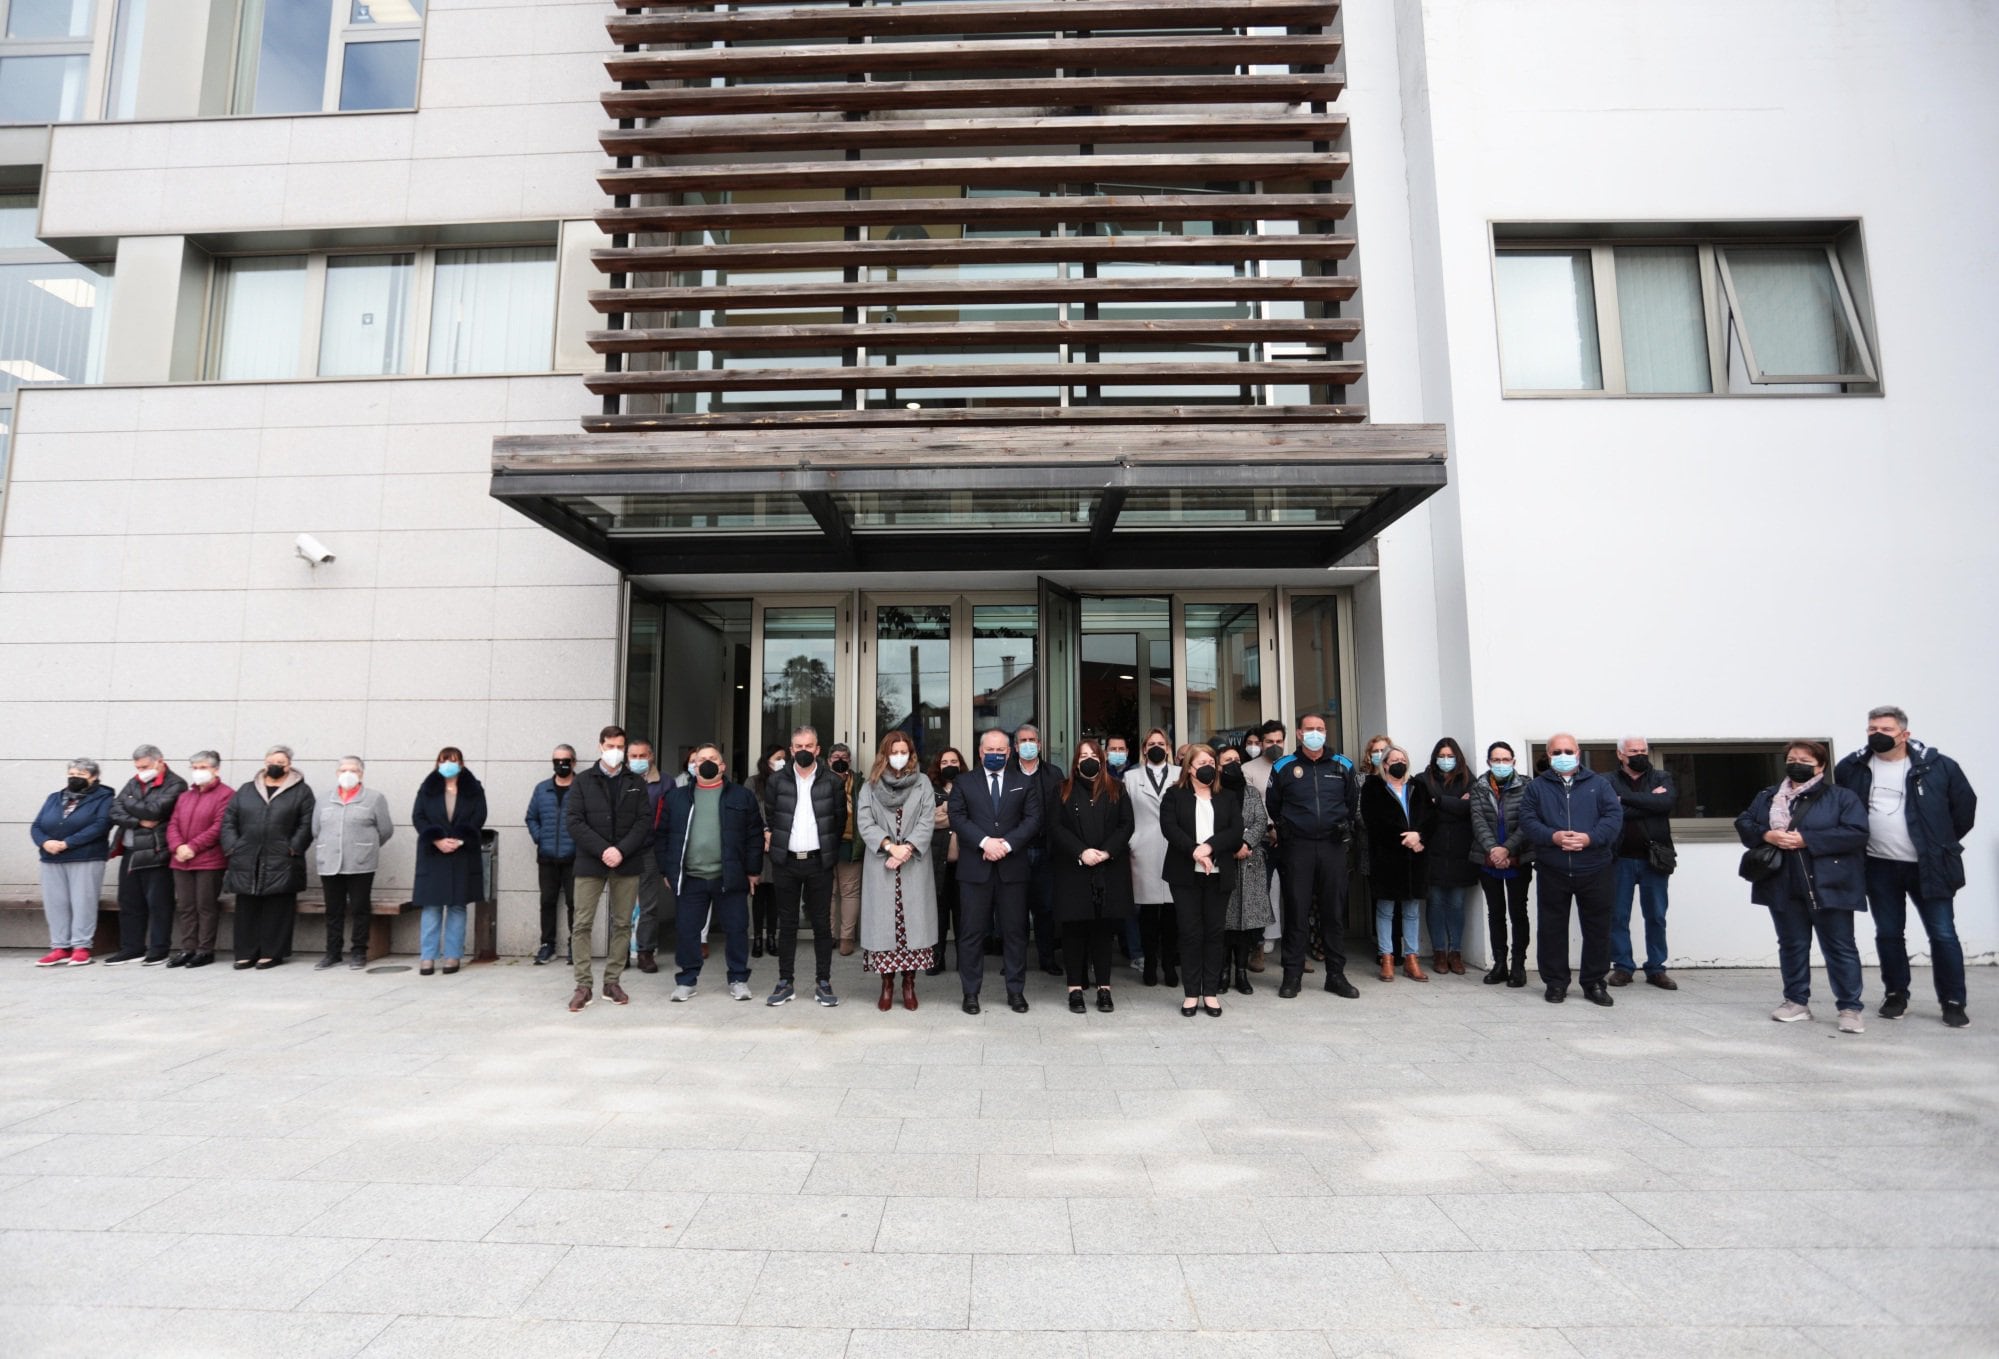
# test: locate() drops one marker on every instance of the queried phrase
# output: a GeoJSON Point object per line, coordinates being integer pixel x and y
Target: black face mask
{"type": "Point", "coordinates": [1400, 769]}
{"type": "Point", "coordinates": [838, 764]}
{"type": "Point", "coordinates": [275, 771]}
{"type": "Point", "coordinates": [1638, 764]}
{"type": "Point", "coordinates": [803, 758]}
{"type": "Point", "coordinates": [1801, 773]}
{"type": "Point", "coordinates": [707, 771]}
{"type": "Point", "coordinates": [1232, 777]}
{"type": "Point", "coordinates": [1205, 775]}
{"type": "Point", "coordinates": [77, 783]}
{"type": "Point", "coordinates": [1880, 742]}
{"type": "Point", "coordinates": [564, 767]}
{"type": "Point", "coordinates": [1089, 768]}
{"type": "Point", "coordinates": [1155, 754]}
{"type": "Point", "coordinates": [947, 770]}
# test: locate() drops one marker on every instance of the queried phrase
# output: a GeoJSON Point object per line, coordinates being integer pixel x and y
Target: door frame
{"type": "Point", "coordinates": [844, 680]}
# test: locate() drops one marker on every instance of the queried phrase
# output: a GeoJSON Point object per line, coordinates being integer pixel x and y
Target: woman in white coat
{"type": "Point", "coordinates": [1146, 785]}
{"type": "Point", "coordinates": [894, 817]}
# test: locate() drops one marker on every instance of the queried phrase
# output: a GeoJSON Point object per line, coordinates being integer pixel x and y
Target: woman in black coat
{"type": "Point", "coordinates": [1091, 835]}
{"type": "Point", "coordinates": [1202, 822]}
{"type": "Point", "coordinates": [1401, 820]}
{"type": "Point", "coordinates": [1819, 832]}
{"type": "Point", "coordinates": [1453, 877]}
{"type": "Point", "coordinates": [266, 830]}
{"type": "Point", "coordinates": [450, 812]}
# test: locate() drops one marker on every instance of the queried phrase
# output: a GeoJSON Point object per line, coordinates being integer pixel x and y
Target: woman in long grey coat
{"type": "Point", "coordinates": [348, 830]}
{"type": "Point", "coordinates": [1248, 913]}
{"type": "Point", "coordinates": [1158, 929]}
{"type": "Point", "coordinates": [893, 816]}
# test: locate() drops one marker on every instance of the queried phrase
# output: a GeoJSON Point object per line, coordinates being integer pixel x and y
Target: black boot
{"type": "Point", "coordinates": [1242, 986]}
{"type": "Point", "coordinates": [1518, 975]}
{"type": "Point", "coordinates": [1498, 973]}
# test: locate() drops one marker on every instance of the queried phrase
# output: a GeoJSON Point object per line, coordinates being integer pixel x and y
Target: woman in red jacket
{"type": "Point", "coordinates": [194, 845]}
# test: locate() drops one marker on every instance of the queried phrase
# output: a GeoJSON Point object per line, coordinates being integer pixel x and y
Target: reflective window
{"type": "Point", "coordinates": [800, 658]}
{"type": "Point", "coordinates": [1003, 660]}
{"type": "Point", "coordinates": [258, 319]}
{"type": "Point", "coordinates": [49, 18]}
{"type": "Point", "coordinates": [122, 98]}
{"type": "Point", "coordinates": [1267, 507]}
{"type": "Point", "coordinates": [1315, 662]}
{"type": "Point", "coordinates": [1127, 666]}
{"type": "Point", "coordinates": [878, 510]}
{"type": "Point", "coordinates": [1547, 321]}
{"type": "Point", "coordinates": [1224, 671]}
{"type": "Point", "coordinates": [51, 322]}
{"type": "Point", "coordinates": [379, 75]}
{"type": "Point", "coordinates": [1791, 315]}
{"type": "Point", "coordinates": [744, 513]}
{"type": "Point", "coordinates": [304, 56]}
{"type": "Point", "coordinates": [42, 89]}
{"type": "Point", "coordinates": [1662, 319]}
{"type": "Point", "coordinates": [913, 674]}
{"type": "Point", "coordinates": [493, 311]}
{"type": "Point", "coordinates": [364, 328]}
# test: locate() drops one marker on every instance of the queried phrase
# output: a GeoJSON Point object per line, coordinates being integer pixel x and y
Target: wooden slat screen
{"type": "Point", "coordinates": [999, 209]}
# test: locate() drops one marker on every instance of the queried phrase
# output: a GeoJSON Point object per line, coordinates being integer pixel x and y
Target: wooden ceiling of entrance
{"type": "Point", "coordinates": [986, 192]}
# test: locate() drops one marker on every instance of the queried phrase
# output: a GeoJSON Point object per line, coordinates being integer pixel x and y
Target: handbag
{"type": "Point", "coordinates": [1760, 863]}
{"type": "Point", "coordinates": [1662, 857]}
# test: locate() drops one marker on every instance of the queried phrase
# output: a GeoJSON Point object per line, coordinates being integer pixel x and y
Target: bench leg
{"type": "Point", "coordinates": [378, 936]}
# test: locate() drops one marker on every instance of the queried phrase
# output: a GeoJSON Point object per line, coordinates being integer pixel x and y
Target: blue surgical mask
{"type": "Point", "coordinates": [1030, 750]}
{"type": "Point", "coordinates": [994, 761]}
{"type": "Point", "coordinates": [1564, 763]}
{"type": "Point", "coordinates": [640, 764]}
{"type": "Point", "coordinates": [1446, 763]}
{"type": "Point", "coordinates": [1117, 758]}
{"type": "Point", "coordinates": [1502, 772]}
{"type": "Point", "coordinates": [1313, 741]}
{"type": "Point", "coordinates": [450, 769]}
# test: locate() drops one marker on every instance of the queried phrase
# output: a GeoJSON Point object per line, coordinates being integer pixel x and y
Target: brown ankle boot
{"type": "Point", "coordinates": [1439, 960]}
{"type": "Point", "coordinates": [888, 991]}
{"type": "Point", "coordinates": [1413, 966]}
{"type": "Point", "coordinates": [1457, 963]}
{"type": "Point", "coordinates": [1387, 966]}
{"type": "Point", "coordinates": [909, 990]}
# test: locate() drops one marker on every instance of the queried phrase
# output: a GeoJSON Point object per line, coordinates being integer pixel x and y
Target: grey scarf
{"type": "Point", "coordinates": [894, 789]}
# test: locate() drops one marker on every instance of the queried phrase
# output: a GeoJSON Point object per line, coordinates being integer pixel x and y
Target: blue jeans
{"type": "Point", "coordinates": [1650, 884]}
{"type": "Point", "coordinates": [1447, 918]}
{"type": "Point", "coordinates": [698, 896]}
{"type": "Point", "coordinates": [1796, 922]}
{"type": "Point", "coordinates": [1384, 924]}
{"type": "Point", "coordinates": [452, 919]}
{"type": "Point", "coordinates": [1891, 885]}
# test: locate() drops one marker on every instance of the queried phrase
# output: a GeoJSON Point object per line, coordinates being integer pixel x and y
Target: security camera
{"type": "Point", "coordinates": [311, 551]}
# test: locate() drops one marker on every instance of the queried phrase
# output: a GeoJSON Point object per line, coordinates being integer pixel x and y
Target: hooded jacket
{"type": "Point", "coordinates": [1939, 804]}
{"type": "Point", "coordinates": [1586, 803]}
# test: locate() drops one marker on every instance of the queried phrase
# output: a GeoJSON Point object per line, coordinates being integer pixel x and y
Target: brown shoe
{"type": "Point", "coordinates": [1663, 980]}
{"type": "Point", "coordinates": [1387, 967]}
{"type": "Point", "coordinates": [580, 999]}
{"type": "Point", "coordinates": [846, 948]}
{"type": "Point", "coordinates": [1256, 958]}
{"type": "Point", "coordinates": [1413, 967]}
{"type": "Point", "coordinates": [647, 962]}
{"type": "Point", "coordinates": [616, 994]}
{"type": "Point", "coordinates": [1619, 977]}
{"type": "Point", "coordinates": [1457, 963]}
{"type": "Point", "coordinates": [1440, 961]}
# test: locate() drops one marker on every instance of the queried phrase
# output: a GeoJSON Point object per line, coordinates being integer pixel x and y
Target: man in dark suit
{"type": "Point", "coordinates": [996, 811]}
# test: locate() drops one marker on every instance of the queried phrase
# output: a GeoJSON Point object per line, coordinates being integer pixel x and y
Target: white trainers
{"type": "Point", "coordinates": [740, 991]}
{"type": "Point", "coordinates": [682, 993]}
{"type": "Point", "coordinates": [1849, 1022]}
{"type": "Point", "coordinates": [1790, 1012]}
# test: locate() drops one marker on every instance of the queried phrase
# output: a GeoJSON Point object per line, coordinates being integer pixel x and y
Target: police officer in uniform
{"type": "Point", "coordinates": [1312, 802]}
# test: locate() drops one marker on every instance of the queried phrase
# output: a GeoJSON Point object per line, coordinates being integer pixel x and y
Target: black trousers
{"type": "Point", "coordinates": [1200, 908]}
{"type": "Point", "coordinates": [812, 886]}
{"type": "Point", "coordinates": [1591, 893]}
{"type": "Point", "coordinates": [1504, 898]}
{"type": "Point", "coordinates": [980, 906]}
{"type": "Point", "coordinates": [348, 894]}
{"type": "Point", "coordinates": [1241, 946]}
{"type": "Point", "coordinates": [1314, 874]}
{"type": "Point", "coordinates": [145, 910]}
{"type": "Point", "coordinates": [558, 883]}
{"type": "Point", "coordinates": [1041, 906]}
{"type": "Point", "coordinates": [948, 925]}
{"type": "Point", "coordinates": [763, 910]}
{"type": "Point", "coordinates": [1086, 945]}
{"type": "Point", "coordinates": [264, 924]}
{"type": "Point", "coordinates": [1158, 934]}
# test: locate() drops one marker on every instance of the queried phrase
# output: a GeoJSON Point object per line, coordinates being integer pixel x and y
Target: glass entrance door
{"type": "Point", "coordinates": [1058, 683]}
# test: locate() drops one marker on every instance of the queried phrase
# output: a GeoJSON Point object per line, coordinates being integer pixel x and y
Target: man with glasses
{"type": "Point", "coordinates": [1572, 817]}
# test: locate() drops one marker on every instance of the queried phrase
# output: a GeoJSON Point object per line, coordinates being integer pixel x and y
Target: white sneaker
{"type": "Point", "coordinates": [739, 991]}
{"type": "Point", "coordinates": [1790, 1012]}
{"type": "Point", "coordinates": [1849, 1022]}
{"type": "Point", "coordinates": [682, 993]}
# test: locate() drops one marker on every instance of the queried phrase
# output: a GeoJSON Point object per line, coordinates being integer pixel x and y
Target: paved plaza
{"type": "Point", "coordinates": [302, 1163]}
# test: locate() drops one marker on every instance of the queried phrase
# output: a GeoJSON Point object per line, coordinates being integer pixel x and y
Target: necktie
{"type": "Point", "coordinates": [996, 793]}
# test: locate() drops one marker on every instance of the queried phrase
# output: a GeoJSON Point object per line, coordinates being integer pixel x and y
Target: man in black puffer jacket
{"type": "Point", "coordinates": [610, 823]}
{"type": "Point", "coordinates": [805, 809]}
{"type": "Point", "coordinates": [145, 882]}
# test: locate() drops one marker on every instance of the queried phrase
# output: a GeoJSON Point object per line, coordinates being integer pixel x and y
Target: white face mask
{"type": "Point", "coordinates": [899, 761]}
{"type": "Point", "coordinates": [615, 756]}
{"type": "Point", "coordinates": [777, 766]}
{"type": "Point", "coordinates": [201, 778]}
{"type": "Point", "coordinates": [1252, 750]}
{"type": "Point", "coordinates": [348, 779]}
{"type": "Point", "coordinates": [145, 775]}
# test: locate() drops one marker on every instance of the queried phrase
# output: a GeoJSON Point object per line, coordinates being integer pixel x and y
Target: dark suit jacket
{"type": "Point", "coordinates": [1176, 819]}
{"type": "Point", "coordinates": [1017, 820]}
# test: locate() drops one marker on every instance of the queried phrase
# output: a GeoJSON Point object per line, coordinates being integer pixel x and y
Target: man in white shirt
{"type": "Point", "coordinates": [803, 809]}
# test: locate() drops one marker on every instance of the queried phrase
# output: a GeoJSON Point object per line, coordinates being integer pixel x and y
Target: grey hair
{"type": "Point", "coordinates": [354, 760]}
{"type": "Point", "coordinates": [87, 766]}
{"type": "Point", "coordinates": [570, 749]}
{"type": "Point", "coordinates": [285, 751]}
{"type": "Point", "coordinates": [147, 753]}
{"type": "Point", "coordinates": [1027, 726]}
{"type": "Point", "coordinates": [1890, 711]}
{"type": "Point", "coordinates": [1624, 741]}
{"type": "Point", "coordinates": [208, 757]}
{"type": "Point", "coordinates": [811, 731]}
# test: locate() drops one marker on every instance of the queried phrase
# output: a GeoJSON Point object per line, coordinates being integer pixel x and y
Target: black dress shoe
{"type": "Point", "coordinates": [1337, 983]}
{"type": "Point", "coordinates": [179, 960]}
{"type": "Point", "coordinates": [1016, 1002]}
{"type": "Point", "coordinates": [330, 960]}
{"type": "Point", "coordinates": [1170, 974]}
{"type": "Point", "coordinates": [971, 1005]}
{"type": "Point", "coordinates": [1149, 974]}
{"type": "Point", "coordinates": [1104, 1002]}
{"type": "Point", "coordinates": [1076, 1005]}
{"type": "Point", "coordinates": [1555, 995]}
{"type": "Point", "coordinates": [756, 946]}
{"type": "Point", "coordinates": [1188, 1011]}
{"type": "Point", "coordinates": [1289, 990]}
{"type": "Point", "coordinates": [1212, 1011]}
{"type": "Point", "coordinates": [1598, 995]}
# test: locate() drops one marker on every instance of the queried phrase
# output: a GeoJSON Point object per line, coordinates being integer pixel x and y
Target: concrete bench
{"type": "Point", "coordinates": [382, 912]}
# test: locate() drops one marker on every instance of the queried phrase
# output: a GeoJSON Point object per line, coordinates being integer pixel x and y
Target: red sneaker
{"type": "Point", "coordinates": [79, 957]}
{"type": "Point", "coordinates": [55, 957]}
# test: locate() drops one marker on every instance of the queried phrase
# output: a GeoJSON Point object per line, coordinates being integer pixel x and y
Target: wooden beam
{"type": "Point", "coordinates": [1054, 93]}
{"type": "Point", "coordinates": [970, 335]}
{"type": "Point", "coordinates": [1186, 420]}
{"type": "Point", "coordinates": [1336, 373]}
{"type": "Point", "coordinates": [878, 21]}
{"type": "Point", "coordinates": [981, 171]}
{"type": "Point", "coordinates": [951, 292]}
{"type": "Point", "coordinates": [1001, 250]}
{"type": "Point", "coordinates": [1015, 54]}
{"type": "Point", "coordinates": [1018, 210]}
{"type": "Point", "coordinates": [791, 136]}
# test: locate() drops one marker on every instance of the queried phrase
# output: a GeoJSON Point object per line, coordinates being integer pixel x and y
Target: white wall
{"type": "Point", "coordinates": [1639, 565]}
{"type": "Point", "coordinates": [149, 593]}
